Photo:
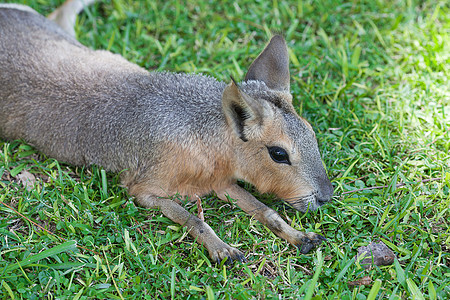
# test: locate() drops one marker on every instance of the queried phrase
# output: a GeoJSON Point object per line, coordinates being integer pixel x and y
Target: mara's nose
{"type": "Point", "coordinates": [325, 190]}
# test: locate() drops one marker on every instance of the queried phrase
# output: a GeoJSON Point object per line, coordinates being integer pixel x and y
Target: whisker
{"type": "Point", "coordinates": [313, 195]}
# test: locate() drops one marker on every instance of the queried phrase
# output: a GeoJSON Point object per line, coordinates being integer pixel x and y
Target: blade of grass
{"type": "Point", "coordinates": [374, 290]}
{"type": "Point", "coordinates": [67, 246]}
{"type": "Point", "coordinates": [8, 289]}
{"type": "Point", "coordinates": [313, 282]}
{"type": "Point", "coordinates": [414, 290]}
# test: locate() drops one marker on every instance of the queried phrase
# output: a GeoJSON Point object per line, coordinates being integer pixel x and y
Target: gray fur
{"type": "Point", "coordinates": [123, 100]}
{"type": "Point", "coordinates": [129, 99]}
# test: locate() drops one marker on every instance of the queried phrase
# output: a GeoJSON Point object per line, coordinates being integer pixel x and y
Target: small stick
{"type": "Point", "coordinates": [200, 209]}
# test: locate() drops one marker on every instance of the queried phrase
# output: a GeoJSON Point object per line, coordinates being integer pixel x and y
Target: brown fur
{"type": "Point", "coordinates": [194, 172]}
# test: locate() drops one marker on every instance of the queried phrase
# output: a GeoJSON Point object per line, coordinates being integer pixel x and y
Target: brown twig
{"type": "Point", "coordinates": [138, 226]}
{"type": "Point", "coordinates": [385, 186]}
{"type": "Point", "coordinates": [358, 179]}
{"type": "Point", "coordinates": [200, 209]}
{"type": "Point", "coordinates": [42, 228]}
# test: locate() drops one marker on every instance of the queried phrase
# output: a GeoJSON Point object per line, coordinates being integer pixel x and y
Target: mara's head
{"type": "Point", "coordinates": [276, 150]}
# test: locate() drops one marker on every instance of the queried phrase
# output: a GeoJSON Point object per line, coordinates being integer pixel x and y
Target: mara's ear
{"type": "Point", "coordinates": [272, 65]}
{"type": "Point", "coordinates": [244, 114]}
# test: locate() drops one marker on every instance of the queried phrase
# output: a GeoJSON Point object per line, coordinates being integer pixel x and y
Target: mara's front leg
{"type": "Point", "coordinates": [199, 230]}
{"type": "Point", "coordinates": [305, 241]}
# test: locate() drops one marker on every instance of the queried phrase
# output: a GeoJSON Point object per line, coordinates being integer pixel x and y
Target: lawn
{"type": "Point", "coordinates": [372, 77]}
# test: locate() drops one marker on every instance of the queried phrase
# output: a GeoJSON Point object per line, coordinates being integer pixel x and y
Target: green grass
{"type": "Point", "coordinates": [371, 76]}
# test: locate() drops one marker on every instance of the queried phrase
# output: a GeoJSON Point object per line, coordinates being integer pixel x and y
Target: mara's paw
{"type": "Point", "coordinates": [308, 240]}
{"type": "Point", "coordinates": [227, 252]}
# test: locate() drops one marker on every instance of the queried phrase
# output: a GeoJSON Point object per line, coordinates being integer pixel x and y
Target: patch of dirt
{"type": "Point", "coordinates": [366, 280]}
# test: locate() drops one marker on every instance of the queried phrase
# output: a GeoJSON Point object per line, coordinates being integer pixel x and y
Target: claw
{"type": "Point", "coordinates": [322, 238]}
{"type": "Point", "coordinates": [242, 258]}
{"type": "Point", "coordinates": [228, 260]}
{"type": "Point", "coordinates": [306, 248]}
{"type": "Point", "coordinates": [227, 256]}
{"type": "Point", "coordinates": [308, 243]}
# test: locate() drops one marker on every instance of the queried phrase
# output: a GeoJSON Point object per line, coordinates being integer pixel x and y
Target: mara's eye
{"type": "Point", "coordinates": [279, 155]}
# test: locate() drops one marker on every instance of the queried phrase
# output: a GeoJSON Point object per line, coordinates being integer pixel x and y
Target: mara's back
{"type": "Point", "coordinates": [92, 107]}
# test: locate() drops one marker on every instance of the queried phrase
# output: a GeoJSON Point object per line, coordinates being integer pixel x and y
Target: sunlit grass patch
{"type": "Point", "coordinates": [371, 76]}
